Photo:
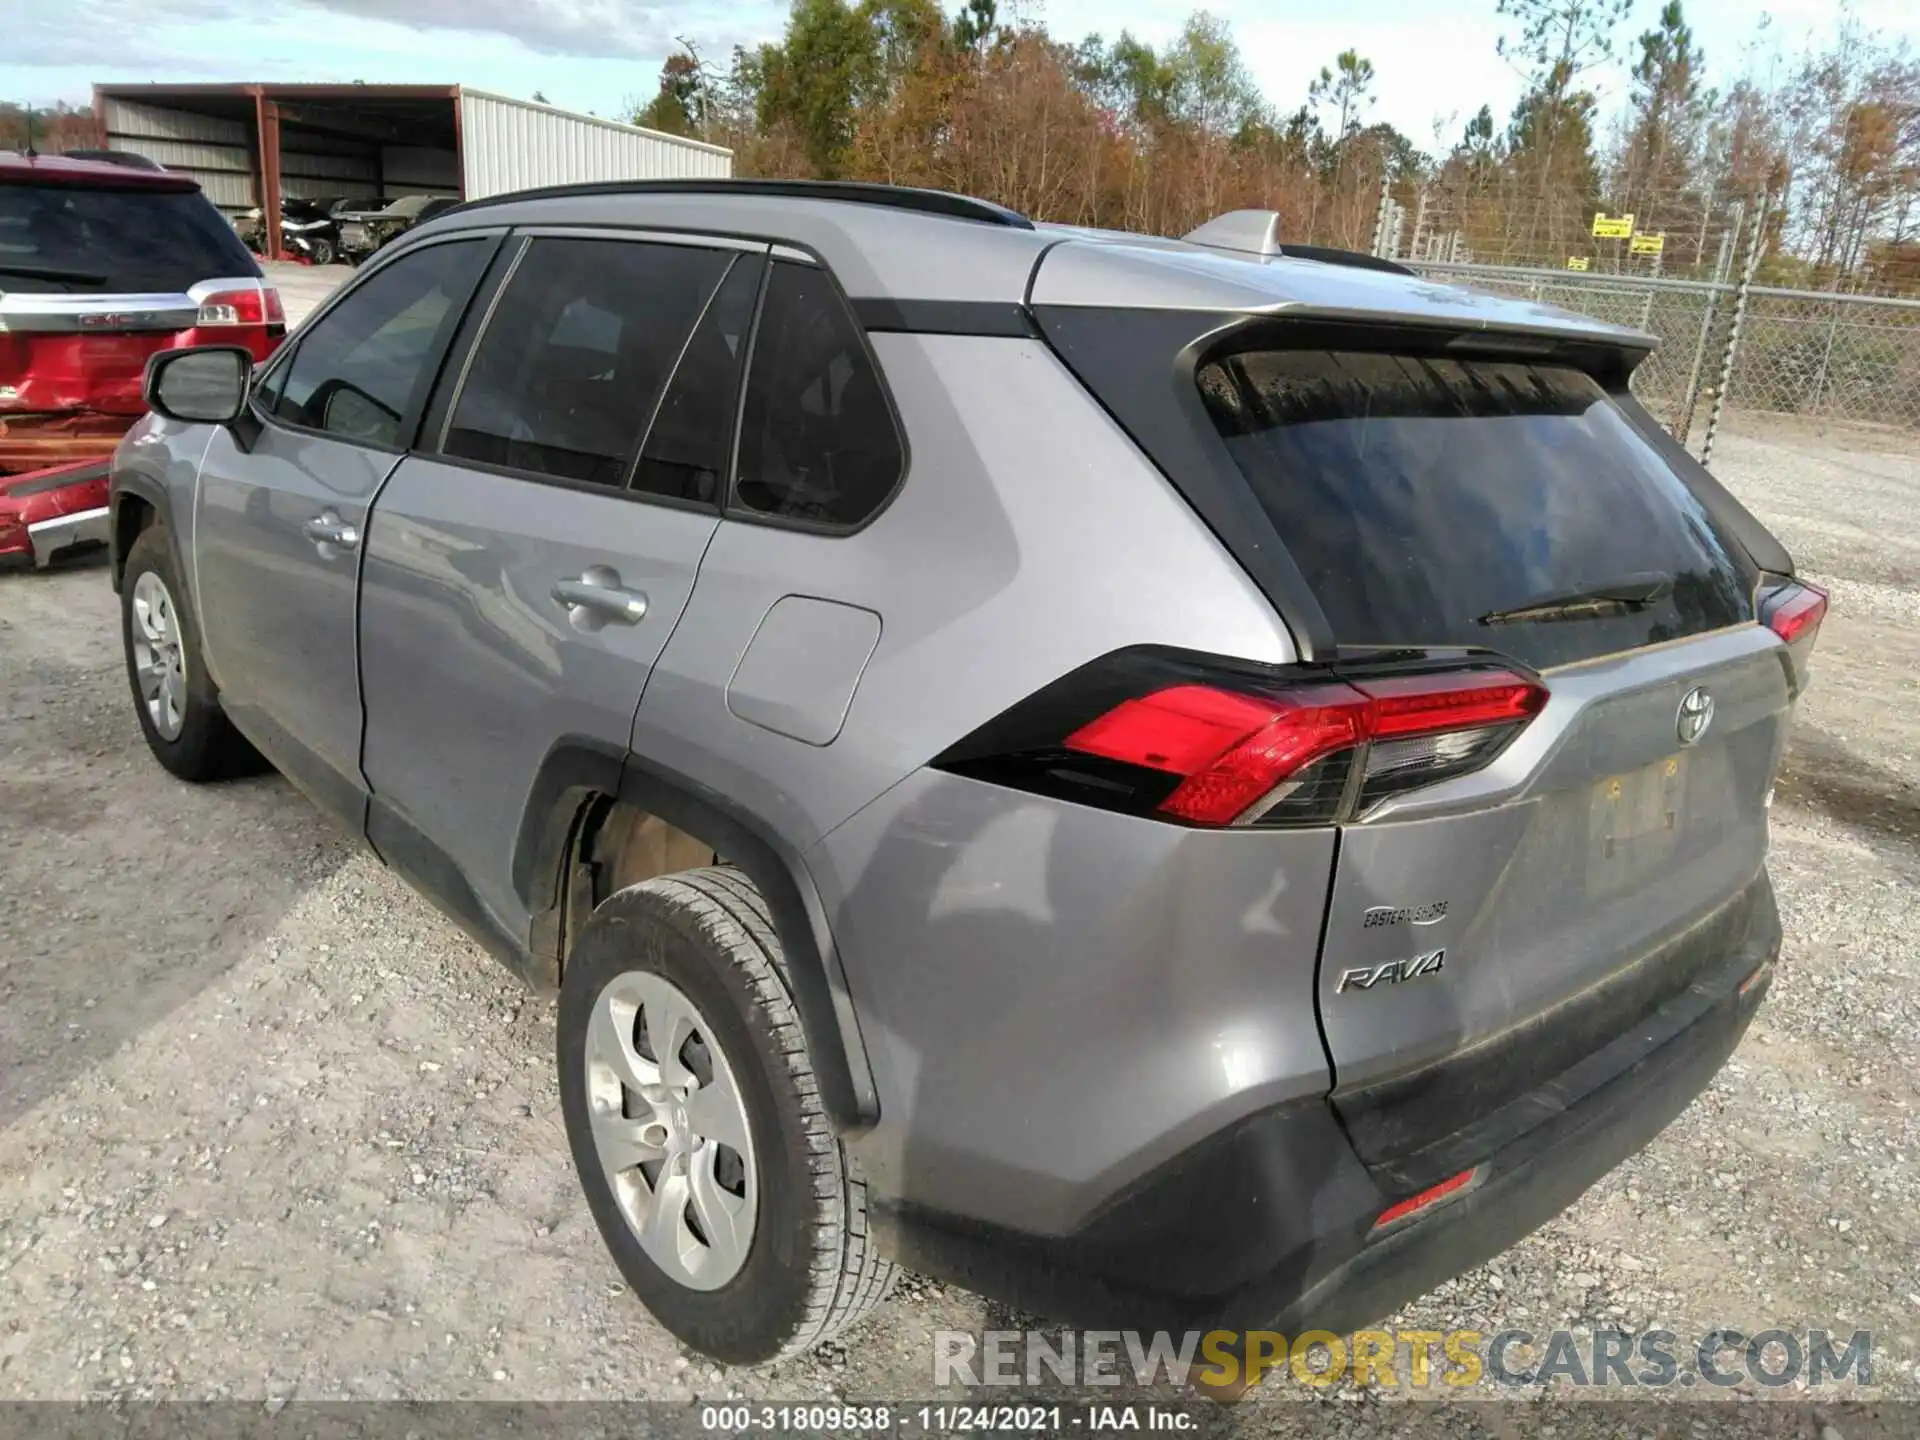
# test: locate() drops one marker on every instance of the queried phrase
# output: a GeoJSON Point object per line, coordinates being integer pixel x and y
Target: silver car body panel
{"type": "Point", "coordinates": [957, 566]}
{"type": "Point", "coordinates": [1055, 999]}
{"type": "Point", "coordinates": [1118, 272]}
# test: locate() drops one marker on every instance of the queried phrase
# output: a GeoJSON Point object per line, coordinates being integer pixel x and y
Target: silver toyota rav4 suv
{"type": "Point", "coordinates": [1171, 783]}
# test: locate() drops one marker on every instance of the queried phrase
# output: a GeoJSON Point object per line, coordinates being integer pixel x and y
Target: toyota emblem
{"type": "Point", "coordinates": [1696, 714]}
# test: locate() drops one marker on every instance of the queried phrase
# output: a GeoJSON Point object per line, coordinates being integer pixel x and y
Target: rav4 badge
{"type": "Point", "coordinates": [1417, 967]}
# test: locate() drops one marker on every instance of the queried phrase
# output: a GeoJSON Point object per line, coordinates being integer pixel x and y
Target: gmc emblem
{"type": "Point", "coordinates": [117, 319]}
{"type": "Point", "coordinates": [1393, 972]}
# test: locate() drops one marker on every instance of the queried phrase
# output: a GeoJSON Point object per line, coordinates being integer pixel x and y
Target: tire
{"type": "Point", "coordinates": [203, 745]}
{"type": "Point", "coordinates": [809, 1269]}
{"type": "Point", "coordinates": [323, 252]}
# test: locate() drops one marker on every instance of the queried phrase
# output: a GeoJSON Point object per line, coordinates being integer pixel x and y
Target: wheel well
{"type": "Point", "coordinates": [624, 845]}
{"type": "Point", "coordinates": [614, 844]}
{"type": "Point", "coordinates": [597, 822]}
{"type": "Point", "coordinates": [131, 516]}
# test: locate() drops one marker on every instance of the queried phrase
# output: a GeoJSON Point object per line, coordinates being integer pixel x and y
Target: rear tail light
{"type": "Point", "coordinates": [1225, 750]}
{"type": "Point", "coordinates": [1794, 611]}
{"type": "Point", "coordinates": [237, 302]}
{"type": "Point", "coordinates": [1201, 743]}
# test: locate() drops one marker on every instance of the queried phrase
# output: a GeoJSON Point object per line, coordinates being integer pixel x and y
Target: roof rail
{"type": "Point", "coordinates": [1357, 259]}
{"type": "Point", "coordinates": [894, 197]}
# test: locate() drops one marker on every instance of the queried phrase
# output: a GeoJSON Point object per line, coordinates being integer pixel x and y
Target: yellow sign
{"type": "Point", "coordinates": [1611, 227]}
{"type": "Point", "coordinates": [1576, 262]}
{"type": "Point", "coordinates": [1646, 244]}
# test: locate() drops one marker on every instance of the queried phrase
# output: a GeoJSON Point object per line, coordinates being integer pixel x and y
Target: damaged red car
{"type": "Point", "coordinates": [101, 265]}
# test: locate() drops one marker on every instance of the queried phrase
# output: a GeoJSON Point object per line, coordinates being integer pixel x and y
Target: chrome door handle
{"type": "Point", "coordinates": [598, 597]}
{"type": "Point", "coordinates": [328, 531]}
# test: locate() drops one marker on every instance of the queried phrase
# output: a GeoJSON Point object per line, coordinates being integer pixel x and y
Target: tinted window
{"type": "Point", "coordinates": [360, 368]}
{"type": "Point", "coordinates": [1424, 497]}
{"type": "Point", "coordinates": [686, 450]}
{"type": "Point", "coordinates": [566, 376]}
{"type": "Point", "coordinates": [268, 389]}
{"type": "Point", "coordinates": [817, 442]}
{"type": "Point", "coordinates": [113, 241]}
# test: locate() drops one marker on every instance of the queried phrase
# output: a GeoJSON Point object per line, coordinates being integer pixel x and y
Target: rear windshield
{"type": "Point", "coordinates": [1426, 500]}
{"type": "Point", "coordinates": [71, 239]}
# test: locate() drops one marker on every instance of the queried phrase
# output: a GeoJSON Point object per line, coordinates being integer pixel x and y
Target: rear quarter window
{"type": "Point", "coordinates": [1421, 496]}
{"type": "Point", "coordinates": [131, 241]}
{"type": "Point", "coordinates": [818, 444]}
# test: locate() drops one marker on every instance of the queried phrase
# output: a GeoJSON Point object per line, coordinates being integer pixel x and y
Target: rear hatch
{"type": "Point", "coordinates": [1450, 505]}
{"type": "Point", "coordinates": [1487, 931]}
{"type": "Point", "coordinates": [96, 274]}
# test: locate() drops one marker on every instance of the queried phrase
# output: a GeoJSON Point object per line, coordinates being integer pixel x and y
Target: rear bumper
{"type": "Point", "coordinates": [1533, 1180]}
{"type": "Point", "coordinates": [83, 527]}
{"type": "Point", "coordinates": [1271, 1225]}
{"type": "Point", "coordinates": [52, 510]}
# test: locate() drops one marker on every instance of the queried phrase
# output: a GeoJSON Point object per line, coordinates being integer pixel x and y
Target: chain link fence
{"type": "Point", "coordinates": [1797, 352]}
{"type": "Point", "coordinates": [1844, 357]}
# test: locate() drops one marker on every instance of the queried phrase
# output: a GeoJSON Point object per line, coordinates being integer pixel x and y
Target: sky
{"type": "Point", "coordinates": [1435, 63]}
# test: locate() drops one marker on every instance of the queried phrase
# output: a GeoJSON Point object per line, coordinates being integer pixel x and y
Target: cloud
{"type": "Point", "coordinates": [115, 35]}
{"type": "Point", "coordinates": [178, 38]}
{"type": "Point", "coordinates": [550, 27]}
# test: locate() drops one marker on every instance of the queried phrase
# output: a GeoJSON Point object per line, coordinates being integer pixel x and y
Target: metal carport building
{"type": "Point", "coordinates": [252, 145]}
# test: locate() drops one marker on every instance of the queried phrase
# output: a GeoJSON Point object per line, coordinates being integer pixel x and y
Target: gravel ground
{"type": "Point", "coordinates": [271, 1128]}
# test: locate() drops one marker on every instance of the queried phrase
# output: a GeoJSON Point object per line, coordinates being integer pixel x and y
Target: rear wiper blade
{"type": "Point", "coordinates": [1629, 592]}
{"type": "Point", "coordinates": [54, 272]}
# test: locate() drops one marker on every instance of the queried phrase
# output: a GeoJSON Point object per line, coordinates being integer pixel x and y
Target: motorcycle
{"type": "Point", "coordinates": [309, 233]}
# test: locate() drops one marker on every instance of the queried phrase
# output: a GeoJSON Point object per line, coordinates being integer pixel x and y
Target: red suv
{"type": "Point", "coordinates": [101, 265]}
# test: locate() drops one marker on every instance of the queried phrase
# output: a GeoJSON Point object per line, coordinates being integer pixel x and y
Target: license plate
{"type": "Point", "coordinates": [1634, 825]}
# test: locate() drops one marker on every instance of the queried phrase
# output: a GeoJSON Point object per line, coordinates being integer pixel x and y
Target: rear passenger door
{"type": "Point", "coordinates": [525, 566]}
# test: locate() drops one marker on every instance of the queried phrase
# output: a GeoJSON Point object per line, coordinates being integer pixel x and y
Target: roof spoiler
{"type": "Point", "coordinates": [1257, 233]}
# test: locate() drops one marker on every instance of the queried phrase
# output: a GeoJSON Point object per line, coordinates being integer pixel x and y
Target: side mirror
{"type": "Point", "coordinates": [206, 385]}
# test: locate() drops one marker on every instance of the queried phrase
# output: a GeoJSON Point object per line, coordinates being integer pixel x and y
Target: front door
{"type": "Point", "coordinates": [282, 506]}
{"type": "Point", "coordinates": [523, 574]}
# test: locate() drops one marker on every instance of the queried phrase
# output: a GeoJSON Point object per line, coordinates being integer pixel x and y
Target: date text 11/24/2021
{"type": "Point", "coordinates": [1093, 1419]}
